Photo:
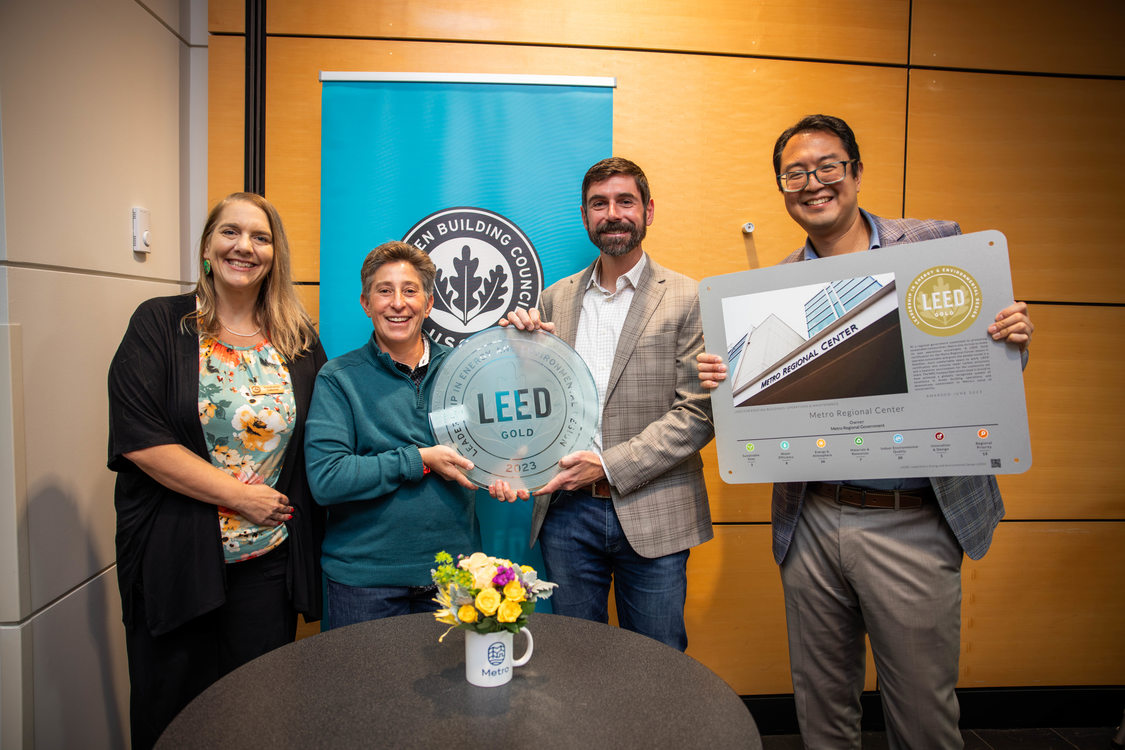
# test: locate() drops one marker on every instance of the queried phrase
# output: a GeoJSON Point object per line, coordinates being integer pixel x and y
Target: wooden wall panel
{"type": "Point", "coordinates": [722, 114]}
{"type": "Point", "coordinates": [1044, 607]}
{"type": "Point", "coordinates": [226, 16]}
{"type": "Point", "coordinates": [859, 30]}
{"type": "Point", "coordinates": [309, 294]}
{"type": "Point", "coordinates": [226, 116]}
{"type": "Point", "coordinates": [1035, 35]}
{"type": "Point", "coordinates": [1075, 414]}
{"type": "Point", "coordinates": [1022, 155]}
{"type": "Point", "coordinates": [735, 612]}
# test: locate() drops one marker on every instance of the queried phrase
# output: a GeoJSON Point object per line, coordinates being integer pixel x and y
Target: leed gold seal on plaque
{"type": "Point", "coordinates": [486, 267]}
{"type": "Point", "coordinates": [943, 301]}
{"type": "Point", "coordinates": [514, 403]}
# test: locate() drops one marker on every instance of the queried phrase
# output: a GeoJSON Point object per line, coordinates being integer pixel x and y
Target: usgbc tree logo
{"type": "Point", "coordinates": [486, 267]}
{"type": "Point", "coordinates": [943, 301]}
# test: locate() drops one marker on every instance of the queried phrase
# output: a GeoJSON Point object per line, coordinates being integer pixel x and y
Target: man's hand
{"type": "Point", "coordinates": [712, 370]}
{"type": "Point", "coordinates": [526, 320]}
{"type": "Point", "coordinates": [577, 470]}
{"type": "Point", "coordinates": [447, 464]}
{"type": "Point", "coordinates": [503, 492]}
{"type": "Point", "coordinates": [1013, 326]}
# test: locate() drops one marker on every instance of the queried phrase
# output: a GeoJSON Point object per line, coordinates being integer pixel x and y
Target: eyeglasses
{"type": "Point", "coordinates": [826, 174]}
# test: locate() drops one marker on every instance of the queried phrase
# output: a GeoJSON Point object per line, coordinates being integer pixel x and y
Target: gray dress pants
{"type": "Point", "coordinates": [894, 575]}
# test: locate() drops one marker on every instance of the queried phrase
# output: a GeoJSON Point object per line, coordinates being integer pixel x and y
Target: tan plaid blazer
{"type": "Point", "coordinates": [656, 416]}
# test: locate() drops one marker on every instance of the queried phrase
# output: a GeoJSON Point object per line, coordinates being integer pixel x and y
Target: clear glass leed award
{"type": "Point", "coordinates": [514, 402]}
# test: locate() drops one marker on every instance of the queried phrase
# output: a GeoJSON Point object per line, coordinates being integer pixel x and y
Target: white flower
{"type": "Point", "coordinates": [258, 431]}
{"type": "Point", "coordinates": [206, 411]}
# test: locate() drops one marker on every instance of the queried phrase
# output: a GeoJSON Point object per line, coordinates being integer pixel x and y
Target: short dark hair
{"type": "Point", "coordinates": [393, 252]}
{"type": "Point", "coordinates": [828, 124]}
{"type": "Point", "coordinates": [615, 165]}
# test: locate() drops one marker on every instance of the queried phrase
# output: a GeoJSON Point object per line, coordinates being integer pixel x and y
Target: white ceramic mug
{"type": "Point", "coordinates": [488, 657]}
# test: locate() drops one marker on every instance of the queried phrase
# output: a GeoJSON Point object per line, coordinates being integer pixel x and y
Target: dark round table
{"type": "Point", "coordinates": [389, 683]}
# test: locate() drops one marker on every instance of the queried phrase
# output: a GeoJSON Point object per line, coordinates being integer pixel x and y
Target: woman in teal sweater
{"type": "Point", "coordinates": [393, 499]}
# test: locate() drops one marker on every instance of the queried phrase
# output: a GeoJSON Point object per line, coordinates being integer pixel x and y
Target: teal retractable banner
{"type": "Point", "coordinates": [482, 172]}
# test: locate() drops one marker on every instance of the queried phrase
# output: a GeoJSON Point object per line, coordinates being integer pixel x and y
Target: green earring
{"type": "Point", "coordinates": [206, 267]}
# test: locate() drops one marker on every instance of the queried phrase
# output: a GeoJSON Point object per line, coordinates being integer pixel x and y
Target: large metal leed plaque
{"type": "Point", "coordinates": [875, 365]}
{"type": "Point", "coordinates": [514, 403]}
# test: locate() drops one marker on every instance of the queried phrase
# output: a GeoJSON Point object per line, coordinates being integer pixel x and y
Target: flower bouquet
{"type": "Point", "coordinates": [484, 594]}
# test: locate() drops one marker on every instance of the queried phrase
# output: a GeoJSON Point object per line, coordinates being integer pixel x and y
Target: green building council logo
{"type": "Point", "coordinates": [943, 301]}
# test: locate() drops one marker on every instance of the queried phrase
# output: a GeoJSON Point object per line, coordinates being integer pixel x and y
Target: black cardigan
{"type": "Point", "coordinates": [168, 542]}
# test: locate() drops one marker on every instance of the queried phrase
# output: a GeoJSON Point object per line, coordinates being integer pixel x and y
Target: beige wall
{"type": "Point", "coordinates": [96, 108]}
{"type": "Point", "coordinates": [951, 126]}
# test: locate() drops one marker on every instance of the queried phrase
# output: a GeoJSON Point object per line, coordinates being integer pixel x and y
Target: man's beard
{"type": "Point", "coordinates": [615, 246]}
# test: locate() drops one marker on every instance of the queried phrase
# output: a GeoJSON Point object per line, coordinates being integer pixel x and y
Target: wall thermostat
{"type": "Point", "coordinates": [142, 230]}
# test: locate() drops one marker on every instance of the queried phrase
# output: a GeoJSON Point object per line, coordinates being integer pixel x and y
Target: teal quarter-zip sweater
{"type": "Point", "coordinates": [386, 519]}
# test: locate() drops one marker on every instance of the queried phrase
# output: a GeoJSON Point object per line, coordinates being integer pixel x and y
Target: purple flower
{"type": "Point", "coordinates": [503, 577]}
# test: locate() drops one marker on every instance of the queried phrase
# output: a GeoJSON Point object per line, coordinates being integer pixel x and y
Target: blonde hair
{"type": "Point", "coordinates": [284, 320]}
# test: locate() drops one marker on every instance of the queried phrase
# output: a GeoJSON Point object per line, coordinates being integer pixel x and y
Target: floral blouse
{"type": "Point", "coordinates": [247, 410]}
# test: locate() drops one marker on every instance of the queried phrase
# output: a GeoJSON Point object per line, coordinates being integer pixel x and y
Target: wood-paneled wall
{"type": "Point", "coordinates": [998, 116]}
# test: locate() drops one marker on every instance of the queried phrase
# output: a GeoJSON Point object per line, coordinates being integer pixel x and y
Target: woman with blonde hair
{"type": "Point", "coordinates": [218, 540]}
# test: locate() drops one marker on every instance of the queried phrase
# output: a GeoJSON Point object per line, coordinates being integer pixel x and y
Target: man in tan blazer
{"type": "Point", "coordinates": [629, 510]}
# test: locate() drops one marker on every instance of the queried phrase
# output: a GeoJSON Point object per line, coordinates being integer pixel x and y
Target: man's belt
{"type": "Point", "coordinates": [861, 497]}
{"type": "Point", "coordinates": [600, 489]}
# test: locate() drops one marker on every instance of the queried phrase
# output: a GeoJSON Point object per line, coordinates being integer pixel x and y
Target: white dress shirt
{"type": "Point", "coordinates": [599, 329]}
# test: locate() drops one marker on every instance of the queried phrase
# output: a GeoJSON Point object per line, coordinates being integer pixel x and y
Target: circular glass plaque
{"type": "Point", "coordinates": [514, 402]}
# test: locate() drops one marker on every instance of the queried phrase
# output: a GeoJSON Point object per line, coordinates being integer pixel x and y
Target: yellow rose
{"type": "Point", "coordinates": [467, 613]}
{"type": "Point", "coordinates": [527, 569]}
{"type": "Point", "coordinates": [509, 611]}
{"type": "Point", "coordinates": [488, 600]}
{"type": "Point", "coordinates": [514, 591]}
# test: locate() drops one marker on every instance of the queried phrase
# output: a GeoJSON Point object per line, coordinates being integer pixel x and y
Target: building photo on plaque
{"type": "Point", "coordinates": [839, 339]}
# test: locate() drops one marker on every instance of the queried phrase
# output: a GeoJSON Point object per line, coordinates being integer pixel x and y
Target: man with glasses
{"type": "Point", "coordinates": [880, 557]}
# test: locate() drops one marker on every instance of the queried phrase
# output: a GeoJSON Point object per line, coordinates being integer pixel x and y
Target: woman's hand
{"type": "Point", "coordinates": [447, 464]}
{"type": "Point", "coordinates": [178, 469]}
{"type": "Point", "coordinates": [263, 505]}
{"type": "Point", "coordinates": [503, 492]}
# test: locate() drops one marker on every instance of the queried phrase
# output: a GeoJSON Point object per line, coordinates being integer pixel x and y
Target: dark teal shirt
{"type": "Point", "coordinates": [386, 518]}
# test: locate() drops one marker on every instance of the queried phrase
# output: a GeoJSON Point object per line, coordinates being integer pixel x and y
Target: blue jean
{"type": "Point", "coordinates": [348, 605]}
{"type": "Point", "coordinates": [584, 549]}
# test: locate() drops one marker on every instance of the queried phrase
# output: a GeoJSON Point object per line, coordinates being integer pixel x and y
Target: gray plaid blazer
{"type": "Point", "coordinates": [656, 416]}
{"type": "Point", "coordinates": [971, 505]}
